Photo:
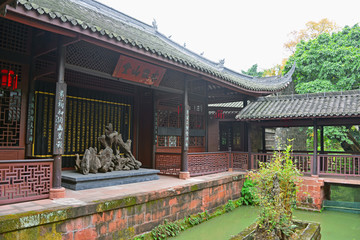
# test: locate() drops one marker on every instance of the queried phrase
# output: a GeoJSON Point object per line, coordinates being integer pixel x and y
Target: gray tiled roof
{"type": "Point", "coordinates": [318, 105]}
{"type": "Point", "coordinates": [95, 17]}
{"type": "Point", "coordinates": [227, 105]}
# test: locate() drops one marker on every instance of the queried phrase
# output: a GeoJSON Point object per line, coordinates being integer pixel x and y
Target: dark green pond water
{"type": "Point", "coordinates": [334, 225]}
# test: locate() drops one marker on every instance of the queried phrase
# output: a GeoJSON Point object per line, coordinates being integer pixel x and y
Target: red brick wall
{"type": "Point", "coordinates": [311, 193]}
{"type": "Point", "coordinates": [126, 217]}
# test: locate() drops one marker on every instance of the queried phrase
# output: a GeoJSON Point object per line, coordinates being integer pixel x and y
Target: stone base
{"type": "Point", "coordinates": [184, 175]}
{"type": "Point", "coordinates": [310, 231]}
{"type": "Point", "coordinates": [57, 193]}
{"type": "Point", "coordinates": [77, 181]}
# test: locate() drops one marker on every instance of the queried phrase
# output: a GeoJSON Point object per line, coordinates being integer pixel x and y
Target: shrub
{"type": "Point", "coordinates": [248, 192]}
{"type": "Point", "coordinates": [275, 181]}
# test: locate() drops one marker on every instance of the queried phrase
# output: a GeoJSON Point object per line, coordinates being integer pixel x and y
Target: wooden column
{"type": "Point", "coordinates": [184, 172]}
{"type": "Point", "coordinates": [155, 132]}
{"type": "Point", "coordinates": [247, 127]}
{"type": "Point", "coordinates": [245, 132]}
{"type": "Point", "coordinates": [321, 139]}
{"type": "Point", "coordinates": [59, 123]}
{"type": "Point", "coordinates": [314, 164]}
{"type": "Point", "coordinates": [263, 139]}
{"type": "Point", "coordinates": [206, 115]}
{"type": "Point", "coordinates": [30, 111]}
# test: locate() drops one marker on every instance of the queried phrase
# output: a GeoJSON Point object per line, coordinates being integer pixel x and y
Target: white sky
{"type": "Point", "coordinates": [242, 32]}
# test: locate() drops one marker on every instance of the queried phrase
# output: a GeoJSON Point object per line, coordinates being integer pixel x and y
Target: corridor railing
{"type": "Point", "coordinates": [302, 161]}
{"type": "Point", "coordinates": [341, 165]}
{"type": "Point", "coordinates": [213, 162]}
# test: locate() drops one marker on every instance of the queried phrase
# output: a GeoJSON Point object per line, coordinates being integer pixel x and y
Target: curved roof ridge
{"type": "Point", "coordinates": [99, 18]}
{"type": "Point", "coordinates": [328, 104]}
{"type": "Point", "coordinates": [310, 95]}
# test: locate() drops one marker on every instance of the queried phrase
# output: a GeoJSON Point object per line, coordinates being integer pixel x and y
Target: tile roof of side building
{"type": "Point", "coordinates": [96, 17]}
{"type": "Point", "coordinates": [315, 105]}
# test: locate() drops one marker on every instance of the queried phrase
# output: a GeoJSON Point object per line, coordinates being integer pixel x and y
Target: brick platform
{"type": "Point", "coordinates": [311, 193]}
{"type": "Point", "coordinates": [118, 212]}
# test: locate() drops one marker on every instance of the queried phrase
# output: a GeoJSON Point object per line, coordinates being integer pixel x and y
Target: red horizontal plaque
{"type": "Point", "coordinates": [138, 71]}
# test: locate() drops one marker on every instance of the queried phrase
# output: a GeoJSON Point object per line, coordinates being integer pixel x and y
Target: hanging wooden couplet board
{"type": "Point", "coordinates": [59, 123]}
{"type": "Point", "coordinates": [134, 70]}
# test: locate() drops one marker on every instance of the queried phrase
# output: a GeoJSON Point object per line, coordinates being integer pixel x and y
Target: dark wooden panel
{"type": "Point", "coordinates": [146, 126]}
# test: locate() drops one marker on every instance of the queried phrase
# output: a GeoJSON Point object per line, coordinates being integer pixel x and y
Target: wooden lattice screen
{"type": "Point", "coordinates": [10, 110]}
{"type": "Point", "coordinates": [169, 122]}
{"type": "Point", "coordinates": [87, 114]}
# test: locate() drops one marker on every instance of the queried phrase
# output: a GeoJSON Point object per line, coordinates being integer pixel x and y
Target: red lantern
{"type": "Point", "coordinates": [219, 114]}
{"type": "Point", "coordinates": [9, 79]}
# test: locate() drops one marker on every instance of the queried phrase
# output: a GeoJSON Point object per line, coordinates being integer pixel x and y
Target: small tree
{"type": "Point", "coordinates": [277, 196]}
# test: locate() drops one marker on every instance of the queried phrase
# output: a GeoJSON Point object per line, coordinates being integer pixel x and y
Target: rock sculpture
{"type": "Point", "coordinates": [110, 157]}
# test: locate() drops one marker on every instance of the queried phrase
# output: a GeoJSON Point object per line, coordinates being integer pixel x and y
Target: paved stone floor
{"type": "Point", "coordinates": [82, 197]}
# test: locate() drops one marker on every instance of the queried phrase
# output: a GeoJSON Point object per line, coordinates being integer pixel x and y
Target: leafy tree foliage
{"type": "Point", "coordinates": [328, 62]}
{"type": "Point", "coordinates": [312, 31]}
{"type": "Point", "coordinates": [253, 71]}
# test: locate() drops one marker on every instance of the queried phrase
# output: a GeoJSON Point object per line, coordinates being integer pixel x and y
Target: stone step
{"type": "Point", "coordinates": [351, 207]}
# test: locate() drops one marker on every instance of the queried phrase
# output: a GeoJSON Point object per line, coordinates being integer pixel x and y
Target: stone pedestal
{"type": "Point", "coordinates": [184, 175]}
{"type": "Point", "coordinates": [57, 193]}
{"type": "Point", "coordinates": [77, 181]}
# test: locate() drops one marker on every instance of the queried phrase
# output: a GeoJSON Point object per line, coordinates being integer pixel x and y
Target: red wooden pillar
{"type": "Point", "coordinates": [184, 172]}
{"type": "Point", "coordinates": [59, 124]}
{"type": "Point", "coordinates": [315, 170]}
{"type": "Point", "coordinates": [250, 162]}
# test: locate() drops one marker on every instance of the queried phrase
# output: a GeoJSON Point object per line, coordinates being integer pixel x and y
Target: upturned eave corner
{"type": "Point", "coordinates": [4, 3]}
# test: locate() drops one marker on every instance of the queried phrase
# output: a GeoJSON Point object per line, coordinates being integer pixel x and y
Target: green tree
{"type": "Point", "coordinates": [330, 62]}
{"type": "Point", "coordinates": [253, 71]}
{"type": "Point", "coordinates": [312, 30]}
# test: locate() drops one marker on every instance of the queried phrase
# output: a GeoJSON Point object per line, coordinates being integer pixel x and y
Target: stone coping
{"type": "Point", "coordinates": [77, 209]}
{"type": "Point", "coordinates": [311, 231]}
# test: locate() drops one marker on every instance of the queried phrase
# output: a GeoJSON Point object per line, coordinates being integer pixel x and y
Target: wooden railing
{"type": "Point", "coordinates": [24, 180]}
{"type": "Point", "coordinates": [341, 165]}
{"type": "Point", "coordinates": [168, 163]}
{"type": "Point", "coordinates": [212, 162]}
{"type": "Point", "coordinates": [201, 163]}
{"type": "Point", "coordinates": [302, 161]}
{"type": "Point", "coordinates": [239, 160]}
{"type": "Point", "coordinates": [207, 163]}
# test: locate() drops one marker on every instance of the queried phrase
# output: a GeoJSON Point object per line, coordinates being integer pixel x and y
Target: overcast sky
{"type": "Point", "coordinates": [242, 32]}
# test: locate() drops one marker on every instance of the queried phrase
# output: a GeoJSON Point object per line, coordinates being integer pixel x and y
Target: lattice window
{"type": "Point", "coordinates": [168, 141]}
{"type": "Point", "coordinates": [173, 80]}
{"type": "Point", "coordinates": [10, 110]}
{"type": "Point", "coordinates": [93, 57]}
{"type": "Point", "coordinates": [196, 121]}
{"type": "Point", "coordinates": [14, 36]}
{"type": "Point", "coordinates": [198, 87]}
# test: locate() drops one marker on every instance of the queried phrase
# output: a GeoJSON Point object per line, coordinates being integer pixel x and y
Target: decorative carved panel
{"type": "Point", "coordinates": [10, 110]}
{"type": "Point", "coordinates": [24, 181]}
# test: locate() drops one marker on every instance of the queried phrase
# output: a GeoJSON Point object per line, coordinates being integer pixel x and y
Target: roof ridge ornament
{"type": "Point", "coordinates": [221, 63]}
{"type": "Point", "coordinates": [154, 24]}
